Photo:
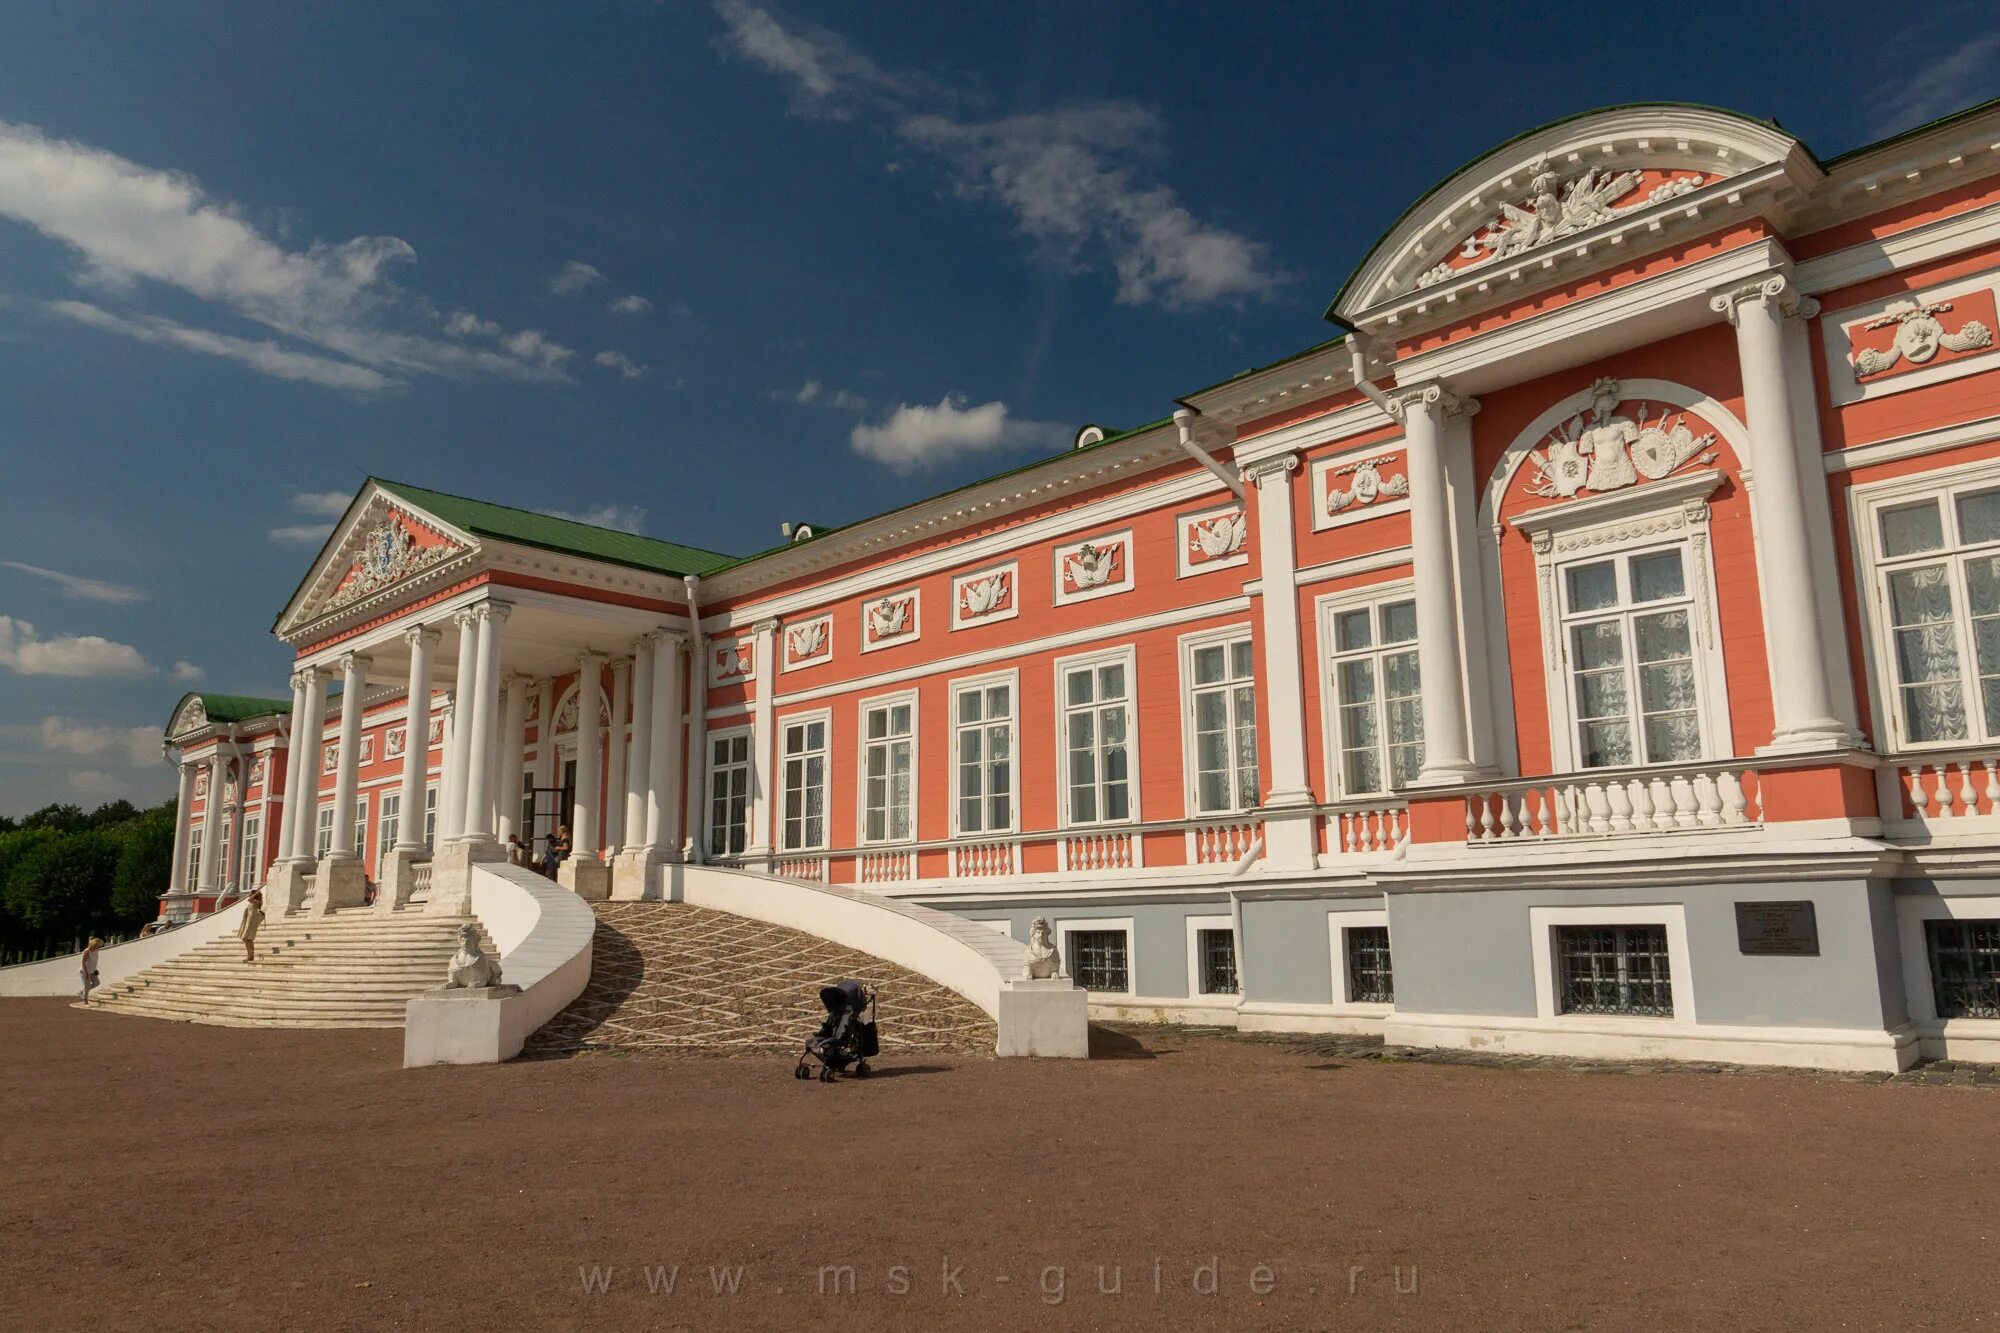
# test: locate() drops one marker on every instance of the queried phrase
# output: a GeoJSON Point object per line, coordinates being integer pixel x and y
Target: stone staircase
{"type": "Point", "coordinates": [351, 969]}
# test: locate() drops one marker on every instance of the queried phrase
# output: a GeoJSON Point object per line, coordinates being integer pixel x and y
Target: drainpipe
{"type": "Point", "coordinates": [1184, 419]}
{"type": "Point", "coordinates": [697, 747]}
{"type": "Point", "coordinates": [1368, 388]}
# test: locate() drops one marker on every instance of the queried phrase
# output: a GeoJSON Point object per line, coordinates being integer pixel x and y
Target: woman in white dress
{"type": "Point", "coordinates": [89, 966]}
{"type": "Point", "coordinates": [253, 917]}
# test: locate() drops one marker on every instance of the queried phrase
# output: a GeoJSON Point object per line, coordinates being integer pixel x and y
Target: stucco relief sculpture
{"type": "Point", "coordinates": [566, 714]}
{"type": "Point", "coordinates": [1606, 451]}
{"type": "Point", "coordinates": [1555, 209]}
{"type": "Point", "coordinates": [890, 618]}
{"type": "Point", "coordinates": [1092, 567]}
{"type": "Point", "coordinates": [982, 597]}
{"type": "Point", "coordinates": [471, 967]}
{"type": "Point", "coordinates": [1368, 485]}
{"type": "Point", "coordinates": [395, 741]}
{"type": "Point", "coordinates": [1044, 959]}
{"type": "Point", "coordinates": [1919, 335]}
{"type": "Point", "coordinates": [1214, 538]}
{"type": "Point", "coordinates": [389, 554]}
{"type": "Point", "coordinates": [807, 640]}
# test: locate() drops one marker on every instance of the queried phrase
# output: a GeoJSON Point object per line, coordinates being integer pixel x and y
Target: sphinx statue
{"type": "Point", "coordinates": [1044, 960]}
{"type": "Point", "coordinates": [471, 967]}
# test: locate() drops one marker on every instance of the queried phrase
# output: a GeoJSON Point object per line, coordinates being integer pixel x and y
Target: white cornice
{"type": "Point", "coordinates": [1941, 239]}
{"type": "Point", "coordinates": [1910, 446]}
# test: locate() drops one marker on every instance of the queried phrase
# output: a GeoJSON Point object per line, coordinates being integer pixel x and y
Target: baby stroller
{"type": "Point", "coordinates": [847, 1037]}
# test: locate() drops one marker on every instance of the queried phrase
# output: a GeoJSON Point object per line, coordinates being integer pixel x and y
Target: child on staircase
{"type": "Point", "coordinates": [253, 917]}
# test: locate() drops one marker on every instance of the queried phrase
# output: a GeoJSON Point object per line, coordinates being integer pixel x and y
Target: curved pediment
{"type": "Point", "coordinates": [1578, 180]}
{"type": "Point", "coordinates": [189, 715]}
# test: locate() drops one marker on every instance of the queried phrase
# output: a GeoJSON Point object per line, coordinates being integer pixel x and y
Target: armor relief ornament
{"type": "Point", "coordinates": [1213, 539]}
{"type": "Point", "coordinates": [1556, 208]}
{"type": "Point", "coordinates": [892, 619]}
{"type": "Point", "coordinates": [395, 741]}
{"type": "Point", "coordinates": [977, 599]}
{"type": "Point", "coordinates": [809, 643]}
{"type": "Point", "coordinates": [1613, 444]}
{"type": "Point", "coordinates": [391, 549]}
{"type": "Point", "coordinates": [1348, 491]}
{"type": "Point", "coordinates": [1096, 567]}
{"type": "Point", "coordinates": [726, 662]}
{"type": "Point", "coordinates": [1916, 339]}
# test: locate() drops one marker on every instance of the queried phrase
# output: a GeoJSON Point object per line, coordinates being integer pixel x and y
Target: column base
{"type": "Point", "coordinates": [398, 877]}
{"type": "Point", "coordinates": [451, 875]}
{"type": "Point", "coordinates": [341, 882]}
{"type": "Point", "coordinates": [1829, 738]}
{"type": "Point", "coordinates": [586, 877]}
{"type": "Point", "coordinates": [632, 876]}
{"type": "Point", "coordinates": [285, 893]}
{"type": "Point", "coordinates": [1290, 833]}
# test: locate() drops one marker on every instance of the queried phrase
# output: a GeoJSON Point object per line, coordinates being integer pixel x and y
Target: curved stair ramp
{"type": "Point", "coordinates": [542, 933]}
{"type": "Point", "coordinates": [1035, 1018]}
{"type": "Point", "coordinates": [119, 962]}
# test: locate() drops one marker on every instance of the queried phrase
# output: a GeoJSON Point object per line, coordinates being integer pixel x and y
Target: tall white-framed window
{"type": "Point", "coordinates": [1934, 596]}
{"type": "Point", "coordinates": [1374, 706]}
{"type": "Point", "coordinates": [889, 768]}
{"type": "Point", "coordinates": [802, 743]}
{"type": "Point", "coordinates": [323, 833]}
{"type": "Point", "coordinates": [388, 825]}
{"type": "Point", "coordinates": [984, 726]}
{"type": "Point", "coordinates": [431, 816]}
{"type": "Point", "coordinates": [361, 824]}
{"type": "Point", "coordinates": [1219, 720]}
{"type": "Point", "coordinates": [224, 878]}
{"type": "Point", "coordinates": [253, 846]}
{"type": "Point", "coordinates": [728, 791]}
{"type": "Point", "coordinates": [193, 877]}
{"type": "Point", "coordinates": [1097, 738]}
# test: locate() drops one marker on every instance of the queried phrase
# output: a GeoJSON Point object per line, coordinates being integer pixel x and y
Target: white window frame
{"type": "Point", "coordinates": [430, 815]}
{"type": "Point", "coordinates": [1671, 512]}
{"type": "Point", "coordinates": [388, 825]}
{"type": "Point", "coordinates": [1127, 656]}
{"type": "Point", "coordinates": [1542, 925]}
{"type": "Point", "coordinates": [361, 803]}
{"type": "Point", "coordinates": [862, 746]}
{"type": "Point", "coordinates": [192, 881]}
{"type": "Point", "coordinates": [1877, 644]}
{"type": "Point", "coordinates": [323, 832]}
{"type": "Point", "coordinates": [709, 769]}
{"type": "Point", "coordinates": [1066, 927]}
{"type": "Point", "coordinates": [1338, 924]}
{"type": "Point", "coordinates": [1327, 608]}
{"type": "Point", "coordinates": [251, 870]}
{"type": "Point", "coordinates": [1224, 636]}
{"type": "Point", "coordinates": [1196, 925]}
{"type": "Point", "coordinates": [824, 717]}
{"type": "Point", "coordinates": [1912, 911]}
{"type": "Point", "coordinates": [1011, 678]}
{"type": "Point", "coordinates": [223, 878]}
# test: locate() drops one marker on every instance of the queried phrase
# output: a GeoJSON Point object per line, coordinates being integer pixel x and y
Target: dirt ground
{"type": "Point", "coordinates": [165, 1176]}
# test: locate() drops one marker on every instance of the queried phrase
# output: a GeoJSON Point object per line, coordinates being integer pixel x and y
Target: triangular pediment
{"type": "Point", "coordinates": [383, 549]}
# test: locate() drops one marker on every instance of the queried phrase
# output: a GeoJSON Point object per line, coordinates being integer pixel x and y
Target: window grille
{"type": "Point", "coordinates": [1099, 961]}
{"type": "Point", "coordinates": [1615, 970]}
{"type": "Point", "coordinates": [1370, 978]}
{"type": "Point", "coordinates": [1216, 950]}
{"type": "Point", "coordinates": [1965, 967]}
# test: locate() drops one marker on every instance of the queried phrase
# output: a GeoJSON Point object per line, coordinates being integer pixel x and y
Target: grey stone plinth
{"type": "Point", "coordinates": [632, 876]}
{"type": "Point", "coordinates": [398, 877]}
{"type": "Point", "coordinates": [1044, 1018]}
{"type": "Point", "coordinates": [341, 882]}
{"type": "Point", "coordinates": [451, 875]}
{"type": "Point", "coordinates": [586, 877]}
{"type": "Point", "coordinates": [285, 891]}
{"type": "Point", "coordinates": [480, 1025]}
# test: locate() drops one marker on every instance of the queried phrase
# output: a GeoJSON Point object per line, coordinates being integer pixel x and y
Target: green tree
{"type": "Point", "coordinates": [61, 818]}
{"type": "Point", "coordinates": [145, 868]}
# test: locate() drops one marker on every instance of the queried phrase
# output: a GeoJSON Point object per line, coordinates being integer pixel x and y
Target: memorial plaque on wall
{"type": "Point", "coordinates": [1777, 928]}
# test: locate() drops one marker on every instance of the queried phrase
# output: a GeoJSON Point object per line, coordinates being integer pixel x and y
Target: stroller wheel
{"type": "Point", "coordinates": [802, 1071]}
{"type": "Point", "coordinates": [826, 1075]}
{"type": "Point", "coordinates": [861, 1069]}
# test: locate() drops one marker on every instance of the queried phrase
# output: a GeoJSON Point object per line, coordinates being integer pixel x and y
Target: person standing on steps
{"type": "Point", "coordinates": [89, 967]}
{"type": "Point", "coordinates": [253, 917]}
{"type": "Point", "coordinates": [557, 852]}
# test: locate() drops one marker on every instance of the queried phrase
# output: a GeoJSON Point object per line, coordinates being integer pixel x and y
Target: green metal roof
{"type": "Point", "coordinates": [239, 707]}
{"type": "Point", "coordinates": [507, 524]}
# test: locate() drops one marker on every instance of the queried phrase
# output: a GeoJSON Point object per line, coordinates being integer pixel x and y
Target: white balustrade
{"type": "Point", "coordinates": [1224, 843]}
{"type": "Point", "coordinates": [812, 869]}
{"type": "Point", "coordinates": [1366, 829]}
{"type": "Point", "coordinates": [1615, 803]}
{"type": "Point", "coordinates": [1109, 849]}
{"type": "Point", "coordinates": [887, 867]}
{"type": "Point", "coordinates": [420, 882]}
{"type": "Point", "coordinates": [985, 860]}
{"type": "Point", "coordinates": [1949, 787]}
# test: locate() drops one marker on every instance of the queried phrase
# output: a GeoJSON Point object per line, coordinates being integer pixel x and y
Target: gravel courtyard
{"type": "Point", "coordinates": [165, 1176]}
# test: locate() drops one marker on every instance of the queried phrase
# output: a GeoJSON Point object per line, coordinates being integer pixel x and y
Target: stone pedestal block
{"type": "Point", "coordinates": [398, 878]}
{"type": "Point", "coordinates": [632, 876]}
{"type": "Point", "coordinates": [341, 882]}
{"type": "Point", "coordinates": [285, 891]}
{"type": "Point", "coordinates": [1044, 1018]}
{"type": "Point", "coordinates": [451, 875]}
{"type": "Point", "coordinates": [586, 877]}
{"type": "Point", "coordinates": [462, 1027]}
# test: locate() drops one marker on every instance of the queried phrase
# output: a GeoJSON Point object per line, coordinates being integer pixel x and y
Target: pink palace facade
{"type": "Point", "coordinates": [1593, 648]}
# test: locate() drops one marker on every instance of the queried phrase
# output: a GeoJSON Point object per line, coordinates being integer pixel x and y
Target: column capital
{"type": "Point", "coordinates": [422, 634]}
{"type": "Point", "coordinates": [620, 664]}
{"type": "Point", "coordinates": [1264, 469]}
{"type": "Point", "coordinates": [767, 626]}
{"type": "Point", "coordinates": [1433, 399]}
{"type": "Point", "coordinates": [679, 638]}
{"type": "Point", "coordinates": [303, 678]}
{"type": "Point", "coordinates": [355, 662]}
{"type": "Point", "coordinates": [1778, 291]}
{"type": "Point", "coordinates": [465, 616]}
{"type": "Point", "coordinates": [588, 659]}
{"type": "Point", "coordinates": [493, 610]}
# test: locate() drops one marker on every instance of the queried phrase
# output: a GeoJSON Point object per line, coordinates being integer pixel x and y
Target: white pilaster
{"type": "Point", "coordinates": [664, 758]}
{"type": "Point", "coordinates": [1447, 754]}
{"type": "Point", "coordinates": [614, 778]}
{"type": "Point", "coordinates": [1288, 843]}
{"type": "Point", "coordinates": [695, 797]}
{"type": "Point", "coordinates": [513, 757]}
{"type": "Point", "coordinates": [1803, 693]}
{"type": "Point", "coordinates": [347, 769]}
{"type": "Point", "coordinates": [458, 740]}
{"type": "Point", "coordinates": [183, 822]}
{"type": "Point", "coordinates": [638, 764]}
{"type": "Point", "coordinates": [484, 740]}
{"type": "Point", "coordinates": [584, 826]}
{"type": "Point", "coordinates": [416, 741]}
{"type": "Point", "coordinates": [212, 851]}
{"type": "Point", "coordinates": [763, 744]}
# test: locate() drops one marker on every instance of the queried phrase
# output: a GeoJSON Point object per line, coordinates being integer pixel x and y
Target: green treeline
{"type": "Point", "coordinates": [66, 875]}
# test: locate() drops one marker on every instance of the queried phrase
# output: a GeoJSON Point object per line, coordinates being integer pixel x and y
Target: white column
{"type": "Point", "coordinates": [289, 799]}
{"type": "Point", "coordinates": [763, 745]}
{"type": "Point", "coordinates": [545, 736]}
{"type": "Point", "coordinates": [416, 741]}
{"type": "Point", "coordinates": [458, 740]}
{"type": "Point", "coordinates": [614, 780]}
{"type": "Point", "coordinates": [1288, 843]}
{"type": "Point", "coordinates": [513, 757]}
{"type": "Point", "coordinates": [638, 765]}
{"type": "Point", "coordinates": [347, 772]}
{"type": "Point", "coordinates": [697, 728]}
{"type": "Point", "coordinates": [183, 822]}
{"type": "Point", "coordinates": [485, 728]}
{"type": "Point", "coordinates": [589, 686]}
{"type": "Point", "coordinates": [302, 766]}
{"type": "Point", "coordinates": [663, 758]}
{"type": "Point", "coordinates": [211, 824]}
{"type": "Point", "coordinates": [1803, 692]}
{"type": "Point", "coordinates": [449, 797]}
{"type": "Point", "coordinates": [1447, 754]}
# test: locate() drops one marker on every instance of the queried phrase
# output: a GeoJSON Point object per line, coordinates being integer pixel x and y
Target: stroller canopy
{"type": "Point", "coordinates": [843, 997]}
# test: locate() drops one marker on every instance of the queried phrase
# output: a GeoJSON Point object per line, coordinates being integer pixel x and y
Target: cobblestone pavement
{"type": "Point", "coordinates": [669, 979]}
{"type": "Point", "coordinates": [1933, 1073]}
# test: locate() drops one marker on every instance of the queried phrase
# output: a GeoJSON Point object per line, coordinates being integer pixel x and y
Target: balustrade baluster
{"type": "Point", "coordinates": [1734, 802]}
{"type": "Point", "coordinates": [1943, 793]}
{"type": "Point", "coordinates": [1662, 797]}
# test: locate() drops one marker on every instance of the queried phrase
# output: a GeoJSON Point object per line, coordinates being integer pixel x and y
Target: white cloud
{"type": "Point", "coordinates": [137, 746]}
{"type": "Point", "coordinates": [621, 363]}
{"type": "Point", "coordinates": [187, 673]}
{"type": "Point", "coordinates": [814, 393]}
{"type": "Point", "coordinates": [90, 782]}
{"type": "Point", "coordinates": [633, 304]}
{"type": "Point", "coordinates": [1072, 178]}
{"type": "Point", "coordinates": [624, 518]}
{"type": "Point", "coordinates": [79, 656]}
{"type": "Point", "coordinates": [1958, 79]}
{"type": "Point", "coordinates": [74, 585]}
{"type": "Point", "coordinates": [573, 277]}
{"type": "Point", "coordinates": [465, 324]}
{"type": "Point", "coordinates": [919, 436]}
{"type": "Point", "coordinates": [130, 225]}
{"type": "Point", "coordinates": [532, 345]}
{"type": "Point", "coordinates": [322, 504]}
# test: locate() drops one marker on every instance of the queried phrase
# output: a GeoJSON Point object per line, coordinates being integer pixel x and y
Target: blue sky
{"type": "Point", "coordinates": [695, 269]}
